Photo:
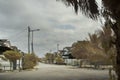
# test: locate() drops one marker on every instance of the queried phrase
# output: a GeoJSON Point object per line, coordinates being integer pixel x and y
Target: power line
{"type": "Point", "coordinates": [18, 38]}
{"type": "Point", "coordinates": [17, 34]}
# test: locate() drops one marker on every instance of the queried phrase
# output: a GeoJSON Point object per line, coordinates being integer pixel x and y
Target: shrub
{"type": "Point", "coordinates": [30, 60]}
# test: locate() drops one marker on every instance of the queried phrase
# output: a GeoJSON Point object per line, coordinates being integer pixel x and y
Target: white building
{"type": "Point", "coordinates": [5, 45]}
{"type": "Point", "coordinates": [4, 64]}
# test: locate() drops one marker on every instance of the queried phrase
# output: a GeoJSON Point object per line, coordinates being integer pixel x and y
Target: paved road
{"type": "Point", "coordinates": [55, 72]}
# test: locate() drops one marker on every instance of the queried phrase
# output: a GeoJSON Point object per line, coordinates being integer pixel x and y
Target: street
{"type": "Point", "coordinates": [56, 72]}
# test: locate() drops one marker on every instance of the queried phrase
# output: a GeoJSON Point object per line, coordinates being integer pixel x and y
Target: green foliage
{"type": "Point", "coordinates": [53, 58]}
{"type": "Point", "coordinates": [101, 47]}
{"type": "Point", "coordinates": [98, 49]}
{"type": "Point", "coordinates": [39, 59]}
{"type": "Point", "coordinates": [12, 55]}
{"type": "Point", "coordinates": [79, 50]}
{"type": "Point", "coordinates": [30, 60]}
{"type": "Point", "coordinates": [59, 60]}
{"type": "Point", "coordinates": [49, 58]}
{"type": "Point", "coordinates": [107, 37]}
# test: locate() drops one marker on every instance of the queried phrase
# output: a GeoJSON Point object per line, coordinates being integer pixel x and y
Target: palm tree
{"type": "Point", "coordinates": [107, 37]}
{"type": "Point", "coordinates": [110, 11]}
{"type": "Point", "coordinates": [88, 7]}
{"type": "Point", "coordinates": [96, 52]}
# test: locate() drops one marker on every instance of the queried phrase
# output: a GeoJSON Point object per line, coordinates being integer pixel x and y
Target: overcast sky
{"type": "Point", "coordinates": [58, 24]}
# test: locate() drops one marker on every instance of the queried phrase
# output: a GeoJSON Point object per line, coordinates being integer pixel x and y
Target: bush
{"type": "Point", "coordinates": [30, 60]}
{"type": "Point", "coordinates": [59, 60]}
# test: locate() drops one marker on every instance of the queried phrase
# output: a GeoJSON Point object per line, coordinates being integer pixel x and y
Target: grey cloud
{"type": "Point", "coordinates": [57, 24]}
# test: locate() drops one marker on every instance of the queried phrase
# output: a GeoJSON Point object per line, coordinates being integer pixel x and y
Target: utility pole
{"type": "Point", "coordinates": [32, 43]}
{"type": "Point", "coordinates": [28, 39]}
{"type": "Point", "coordinates": [32, 46]}
{"type": "Point", "coordinates": [57, 47]}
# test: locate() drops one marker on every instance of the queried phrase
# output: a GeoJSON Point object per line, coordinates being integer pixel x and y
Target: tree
{"type": "Point", "coordinates": [50, 58]}
{"type": "Point", "coordinates": [79, 50]}
{"type": "Point", "coordinates": [12, 56]}
{"type": "Point", "coordinates": [111, 13]}
{"type": "Point", "coordinates": [107, 37]}
{"type": "Point", "coordinates": [59, 59]}
{"type": "Point", "coordinates": [90, 50]}
{"type": "Point", "coordinates": [30, 60]}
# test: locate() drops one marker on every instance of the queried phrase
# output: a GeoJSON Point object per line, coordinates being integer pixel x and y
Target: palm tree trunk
{"type": "Point", "coordinates": [118, 64]}
{"type": "Point", "coordinates": [118, 58]}
{"type": "Point", "coordinates": [116, 29]}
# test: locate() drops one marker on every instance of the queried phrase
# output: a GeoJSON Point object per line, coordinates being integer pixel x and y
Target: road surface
{"type": "Point", "coordinates": [56, 72]}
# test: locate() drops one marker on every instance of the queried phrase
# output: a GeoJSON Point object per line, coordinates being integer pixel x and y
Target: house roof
{"type": "Point", "coordinates": [3, 49]}
{"type": "Point", "coordinates": [69, 56]}
{"type": "Point", "coordinates": [68, 48]}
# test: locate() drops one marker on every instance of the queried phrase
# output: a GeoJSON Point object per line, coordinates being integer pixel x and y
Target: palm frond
{"type": "Point", "coordinates": [88, 7]}
{"type": "Point", "coordinates": [112, 8]}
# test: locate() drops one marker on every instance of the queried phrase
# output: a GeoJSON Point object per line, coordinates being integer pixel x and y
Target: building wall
{"type": "Point", "coordinates": [5, 65]}
{"type": "Point", "coordinates": [72, 62]}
